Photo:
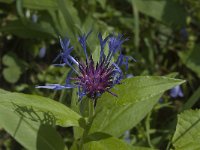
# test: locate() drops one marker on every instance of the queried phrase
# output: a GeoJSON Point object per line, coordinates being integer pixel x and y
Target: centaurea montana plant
{"type": "Point", "coordinates": [91, 79]}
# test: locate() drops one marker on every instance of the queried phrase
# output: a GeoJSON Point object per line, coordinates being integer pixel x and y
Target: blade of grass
{"type": "Point", "coordinates": [136, 25]}
{"type": "Point", "coordinates": [192, 100]}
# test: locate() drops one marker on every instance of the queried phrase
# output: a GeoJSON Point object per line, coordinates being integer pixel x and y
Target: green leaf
{"type": "Point", "coordinates": [12, 75]}
{"type": "Point", "coordinates": [30, 134]}
{"type": "Point", "coordinates": [9, 60]}
{"type": "Point", "coordinates": [169, 12]}
{"type": "Point", "coordinates": [102, 3]}
{"type": "Point", "coordinates": [70, 15]}
{"type": "Point", "coordinates": [51, 136]}
{"type": "Point", "coordinates": [187, 134]}
{"type": "Point", "coordinates": [28, 29]}
{"type": "Point", "coordinates": [14, 67]}
{"type": "Point", "coordinates": [136, 98]}
{"type": "Point", "coordinates": [117, 119]}
{"type": "Point", "coordinates": [78, 131]}
{"type": "Point", "coordinates": [100, 141]}
{"type": "Point", "coordinates": [191, 59]}
{"type": "Point", "coordinates": [141, 148]}
{"type": "Point", "coordinates": [40, 109]}
{"type": "Point", "coordinates": [192, 100]}
{"type": "Point", "coordinates": [40, 4]}
{"type": "Point", "coordinates": [6, 1]}
{"type": "Point", "coordinates": [3, 91]}
{"type": "Point", "coordinates": [66, 11]}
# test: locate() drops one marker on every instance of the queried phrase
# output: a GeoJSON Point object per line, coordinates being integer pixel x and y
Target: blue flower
{"type": "Point", "coordinates": [92, 79]}
{"type": "Point", "coordinates": [42, 52]}
{"type": "Point", "coordinates": [176, 92]}
{"type": "Point", "coordinates": [184, 34]}
{"type": "Point", "coordinates": [34, 18]}
{"type": "Point", "coordinates": [129, 76]}
{"type": "Point", "coordinates": [127, 136]}
{"type": "Point", "coordinates": [161, 100]}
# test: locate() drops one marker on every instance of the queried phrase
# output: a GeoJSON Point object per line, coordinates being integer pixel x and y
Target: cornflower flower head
{"type": "Point", "coordinates": [93, 79]}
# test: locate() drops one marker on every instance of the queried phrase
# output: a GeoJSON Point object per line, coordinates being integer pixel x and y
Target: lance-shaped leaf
{"type": "Point", "coordinates": [136, 98]}
{"type": "Point", "coordinates": [102, 141]}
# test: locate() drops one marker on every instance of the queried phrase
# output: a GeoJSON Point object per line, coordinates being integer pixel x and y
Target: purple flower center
{"type": "Point", "coordinates": [95, 79]}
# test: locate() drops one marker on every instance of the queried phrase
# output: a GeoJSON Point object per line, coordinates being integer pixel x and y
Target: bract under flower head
{"type": "Point", "coordinates": [91, 79]}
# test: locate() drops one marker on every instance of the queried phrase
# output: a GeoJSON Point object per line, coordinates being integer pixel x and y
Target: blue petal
{"type": "Point", "coordinates": [120, 60]}
{"type": "Point", "coordinates": [42, 52]}
{"type": "Point", "coordinates": [129, 76]}
{"type": "Point", "coordinates": [117, 75]}
{"type": "Point", "coordinates": [127, 136]}
{"type": "Point", "coordinates": [82, 39]}
{"type": "Point", "coordinates": [56, 86]}
{"type": "Point", "coordinates": [184, 33]}
{"type": "Point", "coordinates": [64, 43]}
{"type": "Point", "coordinates": [117, 68]}
{"type": "Point", "coordinates": [176, 92]}
{"type": "Point", "coordinates": [73, 60]}
{"type": "Point", "coordinates": [65, 55]}
{"type": "Point", "coordinates": [126, 62]}
{"type": "Point", "coordinates": [81, 93]}
{"type": "Point", "coordinates": [34, 18]}
{"type": "Point", "coordinates": [67, 81]}
{"type": "Point", "coordinates": [115, 43]}
{"type": "Point", "coordinates": [60, 65]}
{"type": "Point", "coordinates": [123, 60]}
{"type": "Point", "coordinates": [102, 45]}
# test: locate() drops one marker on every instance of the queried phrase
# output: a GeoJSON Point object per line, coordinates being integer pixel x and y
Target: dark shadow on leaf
{"type": "Point", "coordinates": [82, 123]}
{"type": "Point", "coordinates": [97, 136]}
{"type": "Point", "coordinates": [29, 112]}
{"type": "Point", "coordinates": [18, 126]}
{"type": "Point", "coordinates": [48, 138]}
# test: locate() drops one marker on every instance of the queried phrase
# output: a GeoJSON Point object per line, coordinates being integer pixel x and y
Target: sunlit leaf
{"type": "Point", "coordinates": [40, 109]}
{"type": "Point", "coordinates": [136, 97]}
{"type": "Point", "coordinates": [100, 141]}
{"type": "Point", "coordinates": [187, 134]}
{"type": "Point", "coordinates": [30, 134]}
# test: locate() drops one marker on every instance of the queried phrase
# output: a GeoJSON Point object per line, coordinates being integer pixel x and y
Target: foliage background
{"type": "Point", "coordinates": [163, 38]}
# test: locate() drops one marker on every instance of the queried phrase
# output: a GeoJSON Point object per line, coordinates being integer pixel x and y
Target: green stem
{"type": "Point", "coordinates": [63, 96]}
{"type": "Point", "coordinates": [62, 79]}
{"type": "Point", "coordinates": [89, 122]}
{"type": "Point", "coordinates": [147, 124]}
{"type": "Point", "coordinates": [91, 110]}
{"type": "Point", "coordinates": [136, 25]}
